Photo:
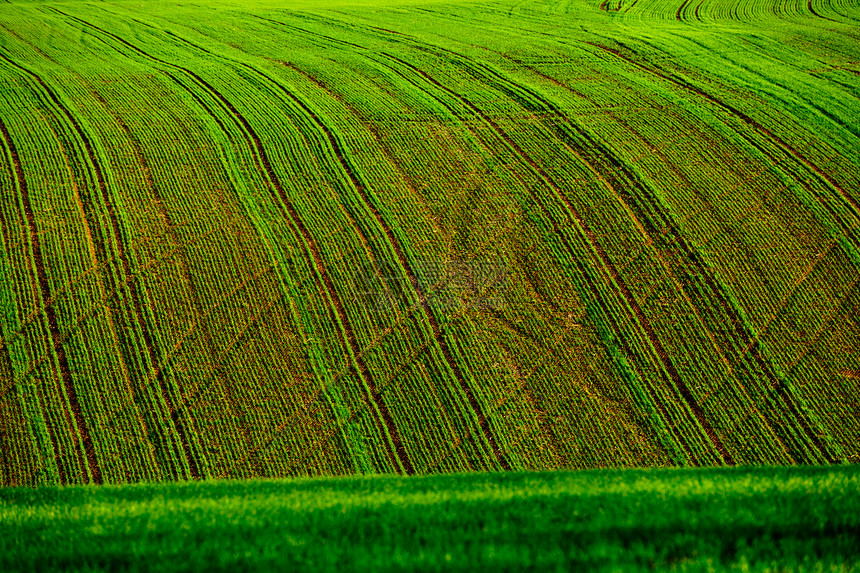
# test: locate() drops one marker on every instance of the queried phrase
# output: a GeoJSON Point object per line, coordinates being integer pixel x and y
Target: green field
{"type": "Point", "coordinates": [765, 519]}
{"type": "Point", "coordinates": [273, 239]}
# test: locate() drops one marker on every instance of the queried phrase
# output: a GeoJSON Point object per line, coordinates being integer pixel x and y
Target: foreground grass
{"type": "Point", "coordinates": [705, 519]}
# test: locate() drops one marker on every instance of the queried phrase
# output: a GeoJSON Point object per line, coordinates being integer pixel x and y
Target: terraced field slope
{"type": "Point", "coordinates": [312, 238]}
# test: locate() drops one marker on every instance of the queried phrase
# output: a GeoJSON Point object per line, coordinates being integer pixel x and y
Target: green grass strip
{"type": "Point", "coordinates": [758, 519]}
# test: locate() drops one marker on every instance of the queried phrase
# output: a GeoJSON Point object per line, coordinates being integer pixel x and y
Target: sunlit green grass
{"type": "Point", "coordinates": [785, 519]}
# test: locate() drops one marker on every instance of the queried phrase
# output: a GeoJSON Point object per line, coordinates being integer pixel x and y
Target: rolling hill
{"type": "Point", "coordinates": [261, 239]}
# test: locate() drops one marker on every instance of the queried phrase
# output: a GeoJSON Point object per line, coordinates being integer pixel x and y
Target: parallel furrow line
{"type": "Point", "coordinates": [850, 203]}
{"type": "Point", "coordinates": [185, 266]}
{"type": "Point", "coordinates": [656, 217]}
{"type": "Point", "coordinates": [550, 185]}
{"type": "Point", "coordinates": [393, 329]}
{"type": "Point", "coordinates": [116, 229]}
{"type": "Point", "coordinates": [359, 187]}
{"type": "Point", "coordinates": [692, 256]}
{"type": "Point", "coordinates": [397, 248]}
{"type": "Point", "coordinates": [783, 391]}
{"type": "Point", "coordinates": [86, 454]}
{"type": "Point", "coordinates": [397, 453]}
{"type": "Point", "coordinates": [589, 234]}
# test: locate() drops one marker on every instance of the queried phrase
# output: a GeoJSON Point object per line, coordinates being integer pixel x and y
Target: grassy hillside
{"type": "Point", "coordinates": [785, 519]}
{"type": "Point", "coordinates": [272, 239]}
